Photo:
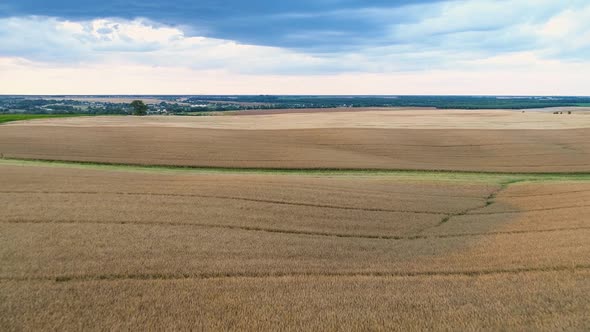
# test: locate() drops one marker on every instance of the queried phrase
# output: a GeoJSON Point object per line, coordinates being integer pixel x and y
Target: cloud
{"type": "Point", "coordinates": [141, 42]}
{"type": "Point", "coordinates": [313, 26]}
{"type": "Point", "coordinates": [567, 34]}
{"type": "Point", "coordinates": [26, 77]}
{"type": "Point", "coordinates": [243, 21]}
{"type": "Point", "coordinates": [334, 37]}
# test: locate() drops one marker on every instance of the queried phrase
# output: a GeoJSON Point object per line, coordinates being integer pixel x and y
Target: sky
{"type": "Point", "coordinates": [373, 47]}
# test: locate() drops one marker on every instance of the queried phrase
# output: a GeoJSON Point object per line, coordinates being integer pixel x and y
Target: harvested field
{"type": "Point", "coordinates": [369, 118]}
{"type": "Point", "coordinates": [499, 141]}
{"type": "Point", "coordinates": [215, 250]}
{"type": "Point", "coordinates": [329, 110]}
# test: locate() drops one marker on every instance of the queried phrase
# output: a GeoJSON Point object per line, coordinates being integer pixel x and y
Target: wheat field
{"type": "Point", "coordinates": [500, 141]}
{"type": "Point", "coordinates": [123, 248]}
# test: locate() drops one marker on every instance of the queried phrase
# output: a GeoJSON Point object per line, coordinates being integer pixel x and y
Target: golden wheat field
{"type": "Point", "coordinates": [84, 247]}
{"type": "Point", "coordinates": [504, 141]}
{"type": "Point", "coordinates": [323, 231]}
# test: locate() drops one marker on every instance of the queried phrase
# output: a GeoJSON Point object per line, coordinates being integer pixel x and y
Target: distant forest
{"type": "Point", "coordinates": [200, 105]}
{"type": "Point", "coordinates": [443, 102]}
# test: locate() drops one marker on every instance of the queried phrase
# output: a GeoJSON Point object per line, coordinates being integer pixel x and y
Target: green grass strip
{"type": "Point", "coordinates": [22, 117]}
{"type": "Point", "coordinates": [492, 177]}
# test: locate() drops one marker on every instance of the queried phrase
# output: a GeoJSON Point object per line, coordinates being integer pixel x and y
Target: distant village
{"type": "Point", "coordinates": [203, 105]}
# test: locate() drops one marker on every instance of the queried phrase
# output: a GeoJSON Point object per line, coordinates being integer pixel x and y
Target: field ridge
{"type": "Point", "coordinates": [520, 176]}
{"type": "Point", "coordinates": [225, 275]}
{"type": "Point", "coordinates": [288, 231]}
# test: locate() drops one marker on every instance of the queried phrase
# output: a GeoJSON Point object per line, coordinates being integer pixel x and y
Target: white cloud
{"type": "Point", "coordinates": [454, 47]}
{"type": "Point", "coordinates": [554, 78]}
{"type": "Point", "coordinates": [141, 42]}
{"type": "Point", "coordinates": [567, 34]}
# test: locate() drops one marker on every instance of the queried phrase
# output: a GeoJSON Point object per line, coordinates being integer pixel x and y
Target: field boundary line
{"type": "Point", "coordinates": [294, 232]}
{"type": "Point", "coordinates": [232, 275]}
{"type": "Point", "coordinates": [489, 200]}
{"type": "Point", "coordinates": [529, 176]}
{"type": "Point", "coordinates": [529, 210]}
{"type": "Point", "coordinates": [557, 193]}
{"type": "Point", "coordinates": [269, 201]}
{"type": "Point", "coordinates": [377, 193]}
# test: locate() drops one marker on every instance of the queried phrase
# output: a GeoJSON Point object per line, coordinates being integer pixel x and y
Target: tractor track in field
{"type": "Point", "coordinates": [227, 275]}
{"type": "Point", "coordinates": [235, 198]}
{"type": "Point", "coordinates": [288, 231]}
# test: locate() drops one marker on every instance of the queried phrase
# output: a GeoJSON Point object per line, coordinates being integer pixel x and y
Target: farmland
{"type": "Point", "coordinates": [242, 251]}
{"type": "Point", "coordinates": [368, 220]}
{"type": "Point", "coordinates": [20, 117]}
{"type": "Point", "coordinates": [504, 141]}
{"type": "Point", "coordinates": [199, 104]}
